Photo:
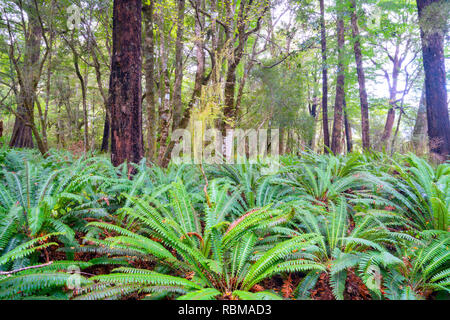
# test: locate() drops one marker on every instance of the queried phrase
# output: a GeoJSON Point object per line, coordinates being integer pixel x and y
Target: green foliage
{"type": "Point", "coordinates": [219, 254]}
{"type": "Point", "coordinates": [170, 236]}
{"type": "Point", "coordinates": [44, 197]}
{"type": "Point", "coordinates": [427, 269]}
{"type": "Point", "coordinates": [427, 192]}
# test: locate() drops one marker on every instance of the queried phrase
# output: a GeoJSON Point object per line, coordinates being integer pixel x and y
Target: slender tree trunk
{"type": "Point", "coordinates": [199, 82]}
{"type": "Point", "coordinates": [392, 100]}
{"type": "Point", "coordinates": [84, 98]}
{"type": "Point", "coordinates": [317, 132]}
{"type": "Point", "coordinates": [247, 70]}
{"type": "Point", "coordinates": [432, 27]}
{"type": "Point", "coordinates": [106, 134]}
{"type": "Point", "coordinates": [348, 130]}
{"type": "Point", "coordinates": [98, 75]}
{"type": "Point", "coordinates": [165, 112]}
{"type": "Point", "coordinates": [125, 89]}
{"type": "Point", "coordinates": [323, 41]}
{"type": "Point", "coordinates": [49, 72]}
{"type": "Point", "coordinates": [177, 102]}
{"type": "Point", "coordinates": [336, 145]}
{"type": "Point", "coordinates": [281, 143]}
{"type": "Point", "coordinates": [313, 113]}
{"type": "Point", "coordinates": [230, 76]}
{"type": "Point", "coordinates": [60, 128]}
{"type": "Point", "coordinates": [361, 81]}
{"type": "Point", "coordinates": [390, 118]}
{"type": "Point", "coordinates": [47, 90]}
{"type": "Point", "coordinates": [149, 53]}
{"type": "Point", "coordinates": [214, 37]}
{"type": "Point", "coordinates": [230, 110]}
{"type": "Point", "coordinates": [107, 125]}
{"type": "Point", "coordinates": [419, 136]}
{"type": "Point", "coordinates": [396, 131]}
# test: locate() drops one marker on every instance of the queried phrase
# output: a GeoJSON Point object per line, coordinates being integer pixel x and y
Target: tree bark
{"type": "Point", "coordinates": [281, 143]}
{"type": "Point", "coordinates": [247, 69]}
{"type": "Point", "coordinates": [125, 89]}
{"type": "Point", "coordinates": [199, 82]}
{"type": "Point", "coordinates": [323, 42]}
{"type": "Point", "coordinates": [84, 98]}
{"type": "Point", "coordinates": [419, 136]}
{"type": "Point", "coordinates": [361, 80]}
{"type": "Point", "coordinates": [336, 146]}
{"type": "Point", "coordinates": [313, 114]}
{"type": "Point", "coordinates": [107, 125]}
{"type": "Point", "coordinates": [165, 112]}
{"type": "Point", "coordinates": [230, 110]}
{"type": "Point", "coordinates": [106, 133]}
{"type": "Point", "coordinates": [149, 54]}
{"type": "Point", "coordinates": [98, 75]}
{"type": "Point", "coordinates": [432, 34]}
{"type": "Point", "coordinates": [348, 130]}
{"type": "Point", "coordinates": [396, 65]}
{"type": "Point", "coordinates": [177, 102]}
{"type": "Point", "coordinates": [394, 138]}
{"type": "Point", "coordinates": [22, 135]}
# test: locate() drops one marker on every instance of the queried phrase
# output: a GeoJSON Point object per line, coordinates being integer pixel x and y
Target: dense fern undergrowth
{"type": "Point", "coordinates": [322, 227]}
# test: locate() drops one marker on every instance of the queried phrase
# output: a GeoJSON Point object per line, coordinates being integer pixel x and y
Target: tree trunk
{"type": "Point", "coordinates": [149, 54]}
{"type": "Point", "coordinates": [230, 110]}
{"type": "Point", "coordinates": [247, 69]}
{"type": "Point", "coordinates": [177, 102]}
{"type": "Point", "coordinates": [84, 97]}
{"type": "Point", "coordinates": [199, 81]}
{"type": "Point", "coordinates": [392, 99]}
{"type": "Point", "coordinates": [361, 81]}
{"type": "Point", "coordinates": [106, 133]}
{"type": "Point", "coordinates": [394, 138]}
{"type": "Point", "coordinates": [165, 112]}
{"type": "Point", "coordinates": [281, 143]}
{"type": "Point", "coordinates": [103, 93]}
{"type": "Point", "coordinates": [22, 135]}
{"type": "Point", "coordinates": [107, 126]}
{"type": "Point", "coordinates": [336, 145]}
{"type": "Point", "coordinates": [125, 89]}
{"type": "Point", "coordinates": [432, 35]}
{"type": "Point", "coordinates": [348, 130]}
{"type": "Point", "coordinates": [419, 136]}
{"type": "Point", "coordinates": [323, 41]}
{"type": "Point", "coordinates": [313, 113]}
{"type": "Point", "coordinates": [388, 127]}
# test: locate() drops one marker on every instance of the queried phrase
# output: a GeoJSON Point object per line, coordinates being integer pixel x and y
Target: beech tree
{"type": "Point", "coordinates": [125, 86]}
{"type": "Point", "coordinates": [149, 69]}
{"type": "Point", "coordinates": [323, 43]}
{"type": "Point", "coordinates": [433, 17]}
{"type": "Point", "coordinates": [361, 79]}
{"type": "Point", "coordinates": [419, 136]}
{"type": "Point", "coordinates": [28, 67]}
{"type": "Point", "coordinates": [336, 143]}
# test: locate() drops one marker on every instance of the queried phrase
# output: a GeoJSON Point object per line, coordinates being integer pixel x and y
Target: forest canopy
{"type": "Point", "coordinates": [224, 149]}
{"type": "Point", "coordinates": [296, 66]}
